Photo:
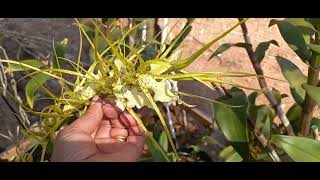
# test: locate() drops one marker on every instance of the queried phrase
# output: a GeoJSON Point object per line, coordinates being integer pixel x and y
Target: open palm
{"type": "Point", "coordinates": [91, 137]}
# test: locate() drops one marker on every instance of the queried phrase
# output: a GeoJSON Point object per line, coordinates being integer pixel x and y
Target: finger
{"type": "Point", "coordinates": [72, 145]}
{"type": "Point", "coordinates": [104, 129]}
{"type": "Point", "coordinates": [109, 111]}
{"type": "Point", "coordinates": [92, 118]}
{"type": "Point", "coordinates": [137, 135]}
{"type": "Point", "coordinates": [94, 133]}
{"type": "Point", "coordinates": [109, 145]}
{"type": "Point", "coordinates": [134, 128]}
{"type": "Point", "coordinates": [139, 141]}
{"type": "Point", "coordinates": [102, 138]}
{"type": "Point", "coordinates": [117, 128]}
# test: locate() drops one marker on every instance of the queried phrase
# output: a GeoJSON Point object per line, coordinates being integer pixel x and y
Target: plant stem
{"type": "Point", "coordinates": [264, 141]}
{"type": "Point", "coordinates": [309, 104]}
{"type": "Point", "coordinates": [262, 81]}
{"type": "Point", "coordinates": [150, 29]}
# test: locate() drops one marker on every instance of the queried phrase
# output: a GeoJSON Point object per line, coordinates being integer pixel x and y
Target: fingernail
{"type": "Point", "coordinates": [94, 99]}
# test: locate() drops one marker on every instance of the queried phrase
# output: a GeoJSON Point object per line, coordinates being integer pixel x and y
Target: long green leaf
{"type": "Point", "coordinates": [295, 37]}
{"type": "Point", "coordinates": [228, 154]}
{"type": "Point", "coordinates": [294, 116]}
{"type": "Point", "coordinates": [18, 67]}
{"type": "Point", "coordinates": [315, 22]}
{"type": "Point", "coordinates": [59, 53]}
{"type": "Point", "coordinates": [232, 121]}
{"type": "Point", "coordinates": [100, 47]}
{"type": "Point", "coordinates": [262, 48]}
{"type": "Point", "coordinates": [32, 85]}
{"type": "Point", "coordinates": [315, 48]}
{"type": "Point", "coordinates": [301, 23]}
{"type": "Point", "coordinates": [163, 122]}
{"type": "Point", "coordinates": [163, 141]}
{"type": "Point", "coordinates": [177, 41]}
{"type": "Point", "coordinates": [264, 119]}
{"type": "Point", "coordinates": [300, 149]}
{"type": "Point", "coordinates": [155, 148]}
{"type": "Point", "coordinates": [313, 92]}
{"type": "Point", "coordinates": [295, 78]}
{"type": "Point", "coordinates": [224, 47]}
{"type": "Point", "coordinates": [262, 115]}
{"type": "Point", "coordinates": [37, 69]}
{"type": "Point", "coordinates": [157, 156]}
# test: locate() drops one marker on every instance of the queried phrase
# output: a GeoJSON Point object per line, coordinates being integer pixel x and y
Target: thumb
{"type": "Point", "coordinates": [92, 118]}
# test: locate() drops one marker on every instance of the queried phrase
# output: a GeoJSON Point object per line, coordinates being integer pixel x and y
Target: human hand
{"type": "Point", "coordinates": [92, 136]}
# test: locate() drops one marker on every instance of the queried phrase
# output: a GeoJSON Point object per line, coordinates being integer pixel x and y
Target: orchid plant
{"type": "Point", "coordinates": [118, 73]}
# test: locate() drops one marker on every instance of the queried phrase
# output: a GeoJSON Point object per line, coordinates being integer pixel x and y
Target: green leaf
{"type": "Point", "coordinates": [102, 45]}
{"type": "Point", "coordinates": [267, 126]}
{"type": "Point", "coordinates": [294, 115]}
{"type": "Point", "coordinates": [295, 37]}
{"type": "Point", "coordinates": [262, 48]}
{"type": "Point", "coordinates": [32, 85]}
{"type": "Point", "coordinates": [196, 149]}
{"type": "Point", "coordinates": [59, 53]}
{"type": "Point", "coordinates": [252, 109]}
{"type": "Point", "coordinates": [17, 67]}
{"type": "Point", "coordinates": [224, 47]}
{"type": "Point", "coordinates": [172, 157]}
{"type": "Point", "coordinates": [228, 154]}
{"type": "Point", "coordinates": [87, 29]}
{"type": "Point", "coordinates": [156, 154]}
{"type": "Point", "coordinates": [109, 21]}
{"type": "Point", "coordinates": [302, 23]}
{"type": "Point", "coordinates": [264, 119]}
{"type": "Point", "coordinates": [313, 92]}
{"type": "Point", "coordinates": [300, 149]}
{"type": "Point", "coordinates": [277, 96]}
{"type": "Point", "coordinates": [232, 121]}
{"type": "Point", "coordinates": [315, 22]}
{"type": "Point", "coordinates": [252, 98]}
{"type": "Point", "coordinates": [315, 48]}
{"type": "Point", "coordinates": [163, 141]}
{"type": "Point", "coordinates": [156, 130]}
{"type": "Point", "coordinates": [315, 121]}
{"type": "Point", "coordinates": [276, 93]}
{"type": "Point", "coordinates": [295, 78]}
{"type": "Point", "coordinates": [262, 115]}
{"type": "Point", "coordinates": [180, 39]}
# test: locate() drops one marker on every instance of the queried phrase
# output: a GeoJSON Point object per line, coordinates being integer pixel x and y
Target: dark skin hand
{"type": "Point", "coordinates": [92, 137]}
